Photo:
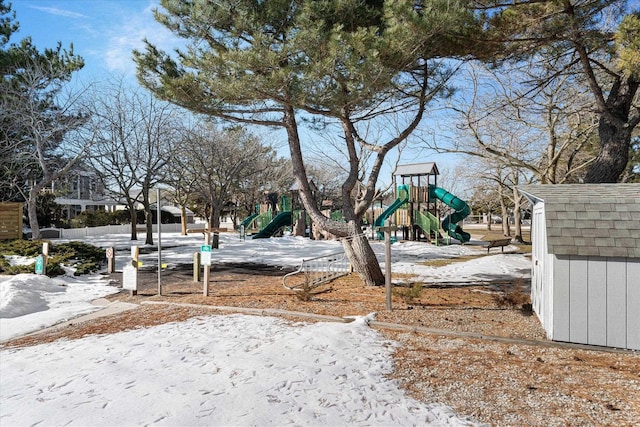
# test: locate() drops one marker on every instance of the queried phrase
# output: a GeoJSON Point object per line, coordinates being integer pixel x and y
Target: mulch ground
{"type": "Point", "coordinates": [450, 349]}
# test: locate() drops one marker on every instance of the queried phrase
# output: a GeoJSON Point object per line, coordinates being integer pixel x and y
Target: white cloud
{"type": "Point", "coordinates": [59, 12]}
{"type": "Point", "coordinates": [129, 33]}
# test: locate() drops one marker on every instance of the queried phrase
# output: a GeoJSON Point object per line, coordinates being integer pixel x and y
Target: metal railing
{"type": "Point", "coordinates": [316, 271]}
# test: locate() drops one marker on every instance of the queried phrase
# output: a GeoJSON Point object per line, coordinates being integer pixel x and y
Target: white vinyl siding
{"type": "Point", "coordinates": [597, 301]}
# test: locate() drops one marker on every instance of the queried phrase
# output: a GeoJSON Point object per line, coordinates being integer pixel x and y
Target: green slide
{"type": "Point", "coordinates": [248, 220]}
{"type": "Point", "coordinates": [462, 210]}
{"type": "Point", "coordinates": [403, 197]}
{"type": "Point", "coordinates": [283, 219]}
{"type": "Point", "coordinates": [426, 221]}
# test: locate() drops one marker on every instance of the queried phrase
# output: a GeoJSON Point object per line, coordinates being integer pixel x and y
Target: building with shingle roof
{"type": "Point", "coordinates": [586, 262]}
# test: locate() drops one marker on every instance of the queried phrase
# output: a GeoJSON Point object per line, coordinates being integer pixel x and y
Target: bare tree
{"type": "Point", "coordinates": [218, 162]}
{"type": "Point", "coordinates": [548, 135]}
{"type": "Point", "coordinates": [596, 40]}
{"type": "Point", "coordinates": [273, 174]}
{"type": "Point", "coordinates": [135, 137]}
{"type": "Point", "coordinates": [181, 182]}
{"type": "Point", "coordinates": [49, 122]}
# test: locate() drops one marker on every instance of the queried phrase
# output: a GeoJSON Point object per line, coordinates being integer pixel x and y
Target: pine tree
{"type": "Point", "coordinates": [344, 63]}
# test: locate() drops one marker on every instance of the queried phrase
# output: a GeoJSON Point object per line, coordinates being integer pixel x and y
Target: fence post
{"type": "Point", "coordinates": [196, 266]}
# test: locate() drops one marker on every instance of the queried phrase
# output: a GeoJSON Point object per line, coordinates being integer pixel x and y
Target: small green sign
{"type": "Point", "coordinates": [39, 264]}
{"type": "Point", "coordinates": [205, 255]}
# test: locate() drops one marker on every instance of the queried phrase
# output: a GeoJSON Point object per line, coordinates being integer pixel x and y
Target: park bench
{"type": "Point", "coordinates": [498, 243]}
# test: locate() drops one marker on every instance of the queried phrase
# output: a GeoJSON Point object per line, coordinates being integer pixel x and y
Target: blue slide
{"type": "Point", "coordinates": [461, 208]}
{"type": "Point", "coordinates": [403, 192]}
{"type": "Point", "coordinates": [283, 219]}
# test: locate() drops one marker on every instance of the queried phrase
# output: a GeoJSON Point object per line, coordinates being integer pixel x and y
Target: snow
{"type": "Point", "coordinates": [216, 370]}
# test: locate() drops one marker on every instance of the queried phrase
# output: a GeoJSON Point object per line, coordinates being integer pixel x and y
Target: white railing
{"type": "Point", "coordinates": [77, 233]}
{"type": "Point", "coordinates": [318, 270]}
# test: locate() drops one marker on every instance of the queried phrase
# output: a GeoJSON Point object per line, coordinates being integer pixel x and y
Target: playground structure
{"type": "Point", "coordinates": [268, 218]}
{"type": "Point", "coordinates": [276, 215]}
{"type": "Point", "coordinates": [415, 208]}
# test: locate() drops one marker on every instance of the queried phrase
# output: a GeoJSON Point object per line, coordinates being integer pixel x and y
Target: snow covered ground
{"type": "Point", "coordinates": [217, 370]}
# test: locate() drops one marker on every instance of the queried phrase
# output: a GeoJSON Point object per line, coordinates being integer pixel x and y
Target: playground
{"type": "Point", "coordinates": [457, 337]}
{"type": "Point", "coordinates": [420, 210]}
{"type": "Point", "coordinates": [461, 330]}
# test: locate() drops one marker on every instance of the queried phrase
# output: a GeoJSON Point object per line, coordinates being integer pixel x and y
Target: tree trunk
{"type": "Point", "coordinates": [363, 259]}
{"type": "Point", "coordinates": [148, 220]}
{"type": "Point", "coordinates": [506, 227]}
{"type": "Point", "coordinates": [148, 216]}
{"type": "Point", "coordinates": [357, 247]}
{"type": "Point", "coordinates": [183, 220]}
{"type": "Point", "coordinates": [214, 222]}
{"type": "Point", "coordinates": [517, 216]}
{"type": "Point", "coordinates": [32, 209]}
{"type": "Point", "coordinates": [300, 226]}
{"type": "Point", "coordinates": [134, 221]}
{"type": "Point", "coordinates": [504, 214]}
{"type": "Point", "coordinates": [613, 156]}
{"type": "Point", "coordinates": [614, 130]}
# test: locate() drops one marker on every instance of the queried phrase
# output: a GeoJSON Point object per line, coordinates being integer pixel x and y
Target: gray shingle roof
{"type": "Point", "coordinates": [417, 169]}
{"type": "Point", "coordinates": [590, 219]}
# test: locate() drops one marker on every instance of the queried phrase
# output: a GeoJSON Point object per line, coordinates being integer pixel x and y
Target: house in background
{"type": "Point", "coordinates": [81, 190]}
{"type": "Point", "coordinates": [585, 285]}
{"type": "Point", "coordinates": [172, 214]}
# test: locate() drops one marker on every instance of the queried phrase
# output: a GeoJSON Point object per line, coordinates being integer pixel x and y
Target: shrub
{"type": "Point", "coordinates": [409, 293]}
{"type": "Point", "coordinates": [515, 295]}
{"type": "Point", "coordinates": [85, 258]}
{"type": "Point", "coordinates": [94, 219]}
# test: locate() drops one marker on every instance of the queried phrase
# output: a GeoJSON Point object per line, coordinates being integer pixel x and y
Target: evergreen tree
{"type": "Point", "coordinates": [344, 63]}
{"type": "Point", "coordinates": [33, 124]}
{"type": "Point", "coordinates": [598, 40]}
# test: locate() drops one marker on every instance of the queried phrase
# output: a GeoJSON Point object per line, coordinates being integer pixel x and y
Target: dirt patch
{"type": "Point", "coordinates": [528, 381]}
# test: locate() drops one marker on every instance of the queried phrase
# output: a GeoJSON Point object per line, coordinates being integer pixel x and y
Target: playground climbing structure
{"type": "Point", "coordinates": [415, 209]}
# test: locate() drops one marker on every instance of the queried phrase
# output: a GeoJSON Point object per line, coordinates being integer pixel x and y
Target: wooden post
{"type": "Point", "coordinates": [387, 265]}
{"type": "Point", "coordinates": [196, 267]}
{"type": "Point", "coordinates": [135, 254]}
{"type": "Point", "coordinates": [111, 265]}
{"type": "Point", "coordinates": [45, 255]}
{"type": "Point", "coordinates": [159, 221]}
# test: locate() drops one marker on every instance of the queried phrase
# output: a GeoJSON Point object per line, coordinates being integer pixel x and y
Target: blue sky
{"type": "Point", "coordinates": [103, 32]}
